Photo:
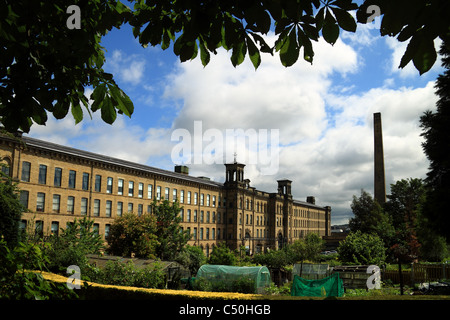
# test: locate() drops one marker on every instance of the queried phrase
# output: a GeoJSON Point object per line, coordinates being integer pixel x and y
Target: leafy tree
{"type": "Point", "coordinates": [171, 237]}
{"type": "Point", "coordinates": [191, 257]}
{"type": "Point", "coordinates": [362, 248]}
{"type": "Point", "coordinates": [17, 282]}
{"type": "Point", "coordinates": [72, 245]}
{"type": "Point", "coordinates": [436, 146]}
{"type": "Point", "coordinates": [10, 211]}
{"type": "Point", "coordinates": [45, 66]}
{"type": "Point", "coordinates": [370, 217]}
{"type": "Point", "coordinates": [221, 254]}
{"type": "Point", "coordinates": [404, 201]}
{"type": "Point", "coordinates": [306, 249]}
{"type": "Point", "coordinates": [133, 234]}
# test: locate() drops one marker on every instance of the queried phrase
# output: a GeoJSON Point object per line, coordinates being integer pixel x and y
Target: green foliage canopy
{"type": "Point", "coordinates": [362, 248]}
{"type": "Point", "coordinates": [46, 66]}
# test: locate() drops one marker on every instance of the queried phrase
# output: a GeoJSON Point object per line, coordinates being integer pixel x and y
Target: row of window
{"type": "Point", "coordinates": [201, 234]}
{"type": "Point", "coordinates": [191, 198]}
{"type": "Point", "coordinates": [168, 195]}
{"type": "Point", "coordinates": [190, 216]}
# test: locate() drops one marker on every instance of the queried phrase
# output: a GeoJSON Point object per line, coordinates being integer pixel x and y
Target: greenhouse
{"type": "Point", "coordinates": [230, 277]}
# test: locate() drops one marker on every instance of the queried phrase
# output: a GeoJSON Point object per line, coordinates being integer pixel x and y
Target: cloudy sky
{"type": "Point", "coordinates": [323, 113]}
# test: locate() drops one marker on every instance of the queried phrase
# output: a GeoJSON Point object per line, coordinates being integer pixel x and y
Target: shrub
{"type": "Point", "coordinates": [127, 274]}
{"type": "Point", "coordinates": [362, 248]}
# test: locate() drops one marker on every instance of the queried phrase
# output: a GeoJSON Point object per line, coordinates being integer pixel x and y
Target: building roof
{"type": "Point", "coordinates": [91, 156]}
{"type": "Point", "coordinates": [32, 142]}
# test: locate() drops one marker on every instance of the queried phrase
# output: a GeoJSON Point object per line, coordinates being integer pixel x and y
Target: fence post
{"type": "Point", "coordinates": [444, 276]}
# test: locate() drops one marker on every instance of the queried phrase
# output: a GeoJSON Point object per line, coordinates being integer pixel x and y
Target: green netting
{"type": "Point", "coordinates": [229, 276]}
{"type": "Point", "coordinates": [331, 286]}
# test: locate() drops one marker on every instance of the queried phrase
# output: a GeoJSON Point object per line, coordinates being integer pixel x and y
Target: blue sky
{"type": "Point", "coordinates": [323, 112]}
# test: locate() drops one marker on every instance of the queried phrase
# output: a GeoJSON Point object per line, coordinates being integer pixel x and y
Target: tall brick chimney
{"type": "Point", "coordinates": [379, 179]}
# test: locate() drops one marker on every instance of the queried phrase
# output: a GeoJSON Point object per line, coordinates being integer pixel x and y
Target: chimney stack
{"type": "Point", "coordinates": [379, 179]}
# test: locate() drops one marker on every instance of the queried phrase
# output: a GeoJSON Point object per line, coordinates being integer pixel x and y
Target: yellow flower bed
{"type": "Point", "coordinates": [164, 293]}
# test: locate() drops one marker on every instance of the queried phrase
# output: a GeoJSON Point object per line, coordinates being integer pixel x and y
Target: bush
{"type": "Point", "coordinates": [19, 283]}
{"type": "Point", "coordinates": [242, 285]}
{"type": "Point", "coordinates": [126, 274]}
{"type": "Point", "coordinates": [362, 248]}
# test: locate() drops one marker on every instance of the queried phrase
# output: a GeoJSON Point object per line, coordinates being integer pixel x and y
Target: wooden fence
{"type": "Point", "coordinates": [419, 273]}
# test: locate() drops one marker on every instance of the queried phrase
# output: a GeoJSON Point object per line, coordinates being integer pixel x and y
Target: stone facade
{"type": "Point", "coordinates": [59, 184]}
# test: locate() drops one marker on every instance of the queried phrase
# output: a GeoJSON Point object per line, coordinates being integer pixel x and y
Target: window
{"type": "Point", "coordinates": [55, 228]}
{"type": "Point", "coordinates": [72, 178]}
{"type": "Point", "coordinates": [56, 203]}
{"type": "Point", "coordinates": [120, 187]}
{"type": "Point", "coordinates": [130, 207]}
{"type": "Point", "coordinates": [96, 207]}
{"type": "Point", "coordinates": [40, 202]}
{"type": "Point", "coordinates": [213, 201]}
{"type": "Point", "coordinates": [158, 193]}
{"type": "Point", "coordinates": [39, 228]}
{"type": "Point", "coordinates": [188, 218]}
{"type": "Point", "coordinates": [108, 208]}
{"type": "Point", "coordinates": [195, 197]}
{"type": "Point", "coordinates": [213, 234]}
{"type": "Point", "coordinates": [85, 181]}
{"type": "Point", "coordinates": [98, 183]}
{"type": "Point", "coordinates": [42, 174]}
{"type": "Point", "coordinates": [6, 165]}
{"type": "Point", "coordinates": [195, 215]}
{"type": "Point", "coordinates": [107, 230]}
{"type": "Point", "coordinates": [58, 176]}
{"type": "Point", "coordinates": [109, 184]}
{"type": "Point", "coordinates": [182, 215]}
{"type": "Point", "coordinates": [140, 209]}
{"type": "Point", "coordinates": [166, 193]}
{"type": "Point", "coordinates": [96, 228]}
{"type": "Point", "coordinates": [84, 205]}
{"type": "Point", "coordinates": [208, 199]}
{"type": "Point", "coordinates": [26, 168]}
{"type": "Point", "coordinates": [189, 197]}
{"type": "Point", "coordinates": [195, 233]}
{"type": "Point", "coordinates": [70, 202]}
{"type": "Point", "coordinates": [207, 233]}
{"type": "Point", "coordinates": [149, 191]}
{"type": "Point", "coordinates": [202, 199]}
{"type": "Point", "coordinates": [141, 190]}
{"type": "Point", "coordinates": [24, 195]}
{"type": "Point", "coordinates": [182, 196]}
{"type": "Point", "coordinates": [201, 233]}
{"type": "Point", "coordinates": [119, 208]}
{"type": "Point", "coordinates": [174, 195]}
{"type": "Point", "coordinates": [130, 188]}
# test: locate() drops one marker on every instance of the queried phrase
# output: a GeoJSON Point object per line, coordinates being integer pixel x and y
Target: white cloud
{"type": "Point", "coordinates": [128, 68]}
{"type": "Point", "coordinates": [325, 131]}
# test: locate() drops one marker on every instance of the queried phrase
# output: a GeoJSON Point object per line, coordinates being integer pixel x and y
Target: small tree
{"type": "Point", "coordinates": [221, 254]}
{"type": "Point", "coordinates": [169, 233]}
{"type": "Point", "coordinates": [362, 248]}
{"type": "Point", "coordinates": [191, 257]}
{"type": "Point", "coordinates": [72, 245]}
{"type": "Point", "coordinates": [133, 234]}
{"type": "Point", "coordinates": [10, 210]}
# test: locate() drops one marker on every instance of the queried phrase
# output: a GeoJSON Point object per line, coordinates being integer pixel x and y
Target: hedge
{"type": "Point", "coordinates": [91, 290]}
